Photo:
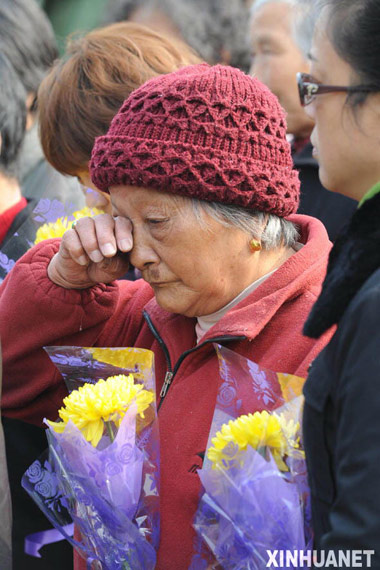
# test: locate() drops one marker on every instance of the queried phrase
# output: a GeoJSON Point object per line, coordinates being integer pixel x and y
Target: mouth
{"type": "Point", "coordinates": [314, 150]}
{"type": "Point", "coordinates": [157, 283]}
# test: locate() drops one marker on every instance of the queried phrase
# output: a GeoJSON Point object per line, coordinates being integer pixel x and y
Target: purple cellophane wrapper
{"type": "Point", "coordinates": [109, 492]}
{"type": "Point", "coordinates": [248, 510]}
{"type": "Point", "coordinates": [46, 210]}
{"type": "Point", "coordinates": [251, 507]}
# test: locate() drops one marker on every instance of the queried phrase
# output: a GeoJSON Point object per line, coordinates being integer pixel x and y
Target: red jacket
{"type": "Point", "coordinates": [266, 327]}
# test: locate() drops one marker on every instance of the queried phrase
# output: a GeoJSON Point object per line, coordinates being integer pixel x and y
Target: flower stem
{"type": "Point", "coordinates": [110, 431]}
{"type": "Point", "coordinates": [262, 450]}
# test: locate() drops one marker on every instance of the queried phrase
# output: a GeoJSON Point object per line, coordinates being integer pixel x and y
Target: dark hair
{"type": "Point", "coordinates": [27, 39]}
{"type": "Point", "coordinates": [216, 29]}
{"type": "Point", "coordinates": [353, 29]}
{"type": "Point", "coordinates": [83, 92]}
{"type": "Point", "coordinates": [12, 117]}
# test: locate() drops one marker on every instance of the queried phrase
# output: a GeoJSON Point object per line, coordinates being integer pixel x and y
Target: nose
{"type": "Point", "coordinates": [257, 69]}
{"type": "Point", "coordinates": [142, 254]}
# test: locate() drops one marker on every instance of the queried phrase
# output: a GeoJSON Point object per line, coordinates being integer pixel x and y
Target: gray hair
{"type": "Point", "coordinates": [210, 27]}
{"type": "Point", "coordinates": [302, 22]}
{"type": "Point", "coordinates": [271, 230]}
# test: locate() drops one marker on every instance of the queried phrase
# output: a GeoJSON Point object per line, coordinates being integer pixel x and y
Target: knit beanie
{"type": "Point", "coordinates": [206, 132]}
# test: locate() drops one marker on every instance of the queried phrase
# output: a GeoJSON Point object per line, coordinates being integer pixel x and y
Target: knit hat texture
{"type": "Point", "coordinates": [206, 132]}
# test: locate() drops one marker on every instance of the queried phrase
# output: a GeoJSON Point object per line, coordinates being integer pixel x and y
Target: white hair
{"type": "Point", "coordinates": [271, 230]}
{"type": "Point", "coordinates": [210, 27]}
{"type": "Point", "coordinates": [302, 22]}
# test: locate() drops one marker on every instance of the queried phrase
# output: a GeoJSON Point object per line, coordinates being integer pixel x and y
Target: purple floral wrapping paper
{"type": "Point", "coordinates": [109, 492]}
{"type": "Point", "coordinates": [251, 507]}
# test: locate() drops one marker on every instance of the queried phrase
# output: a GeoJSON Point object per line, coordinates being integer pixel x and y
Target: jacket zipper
{"type": "Point", "coordinates": [166, 384]}
{"type": "Point", "coordinates": [170, 373]}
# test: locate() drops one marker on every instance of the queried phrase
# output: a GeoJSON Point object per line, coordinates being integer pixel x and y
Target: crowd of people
{"type": "Point", "coordinates": [233, 149]}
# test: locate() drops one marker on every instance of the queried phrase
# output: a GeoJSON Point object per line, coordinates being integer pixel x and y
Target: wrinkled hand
{"type": "Point", "coordinates": [96, 251]}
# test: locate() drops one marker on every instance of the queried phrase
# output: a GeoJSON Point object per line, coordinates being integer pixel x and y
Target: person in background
{"type": "Point", "coordinates": [14, 208]}
{"type": "Point", "coordinates": [279, 46]}
{"type": "Point", "coordinates": [84, 90]}
{"type": "Point", "coordinates": [21, 445]}
{"type": "Point", "coordinates": [203, 191]}
{"type": "Point", "coordinates": [5, 500]}
{"type": "Point", "coordinates": [342, 405]}
{"type": "Point", "coordinates": [27, 39]}
{"type": "Point", "coordinates": [215, 29]}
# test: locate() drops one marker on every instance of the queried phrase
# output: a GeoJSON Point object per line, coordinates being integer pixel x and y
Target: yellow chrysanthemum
{"type": "Point", "coordinates": [106, 401]}
{"type": "Point", "coordinates": [132, 358]}
{"type": "Point", "coordinates": [61, 225]}
{"type": "Point", "coordinates": [259, 430]}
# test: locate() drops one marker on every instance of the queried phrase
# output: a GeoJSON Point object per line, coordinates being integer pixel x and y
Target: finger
{"type": "Point", "coordinates": [105, 233]}
{"type": "Point", "coordinates": [97, 236]}
{"type": "Point", "coordinates": [71, 248]}
{"type": "Point", "coordinates": [123, 233]}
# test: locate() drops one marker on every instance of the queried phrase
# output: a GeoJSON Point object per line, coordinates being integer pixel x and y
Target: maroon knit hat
{"type": "Point", "coordinates": [212, 133]}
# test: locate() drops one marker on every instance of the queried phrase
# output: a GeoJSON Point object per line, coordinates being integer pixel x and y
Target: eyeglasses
{"type": "Point", "coordinates": [308, 88]}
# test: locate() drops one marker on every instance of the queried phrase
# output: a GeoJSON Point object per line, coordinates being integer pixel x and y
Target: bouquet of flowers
{"type": "Point", "coordinates": [256, 497]}
{"type": "Point", "coordinates": [102, 468]}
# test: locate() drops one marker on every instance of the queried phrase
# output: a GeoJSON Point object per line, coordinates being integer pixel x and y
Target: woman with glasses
{"type": "Point", "coordinates": [342, 408]}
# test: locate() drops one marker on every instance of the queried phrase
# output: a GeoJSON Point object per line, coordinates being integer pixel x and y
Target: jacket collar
{"type": "Point", "coordinates": [353, 259]}
{"type": "Point", "coordinates": [298, 274]}
{"type": "Point", "coordinates": [370, 194]}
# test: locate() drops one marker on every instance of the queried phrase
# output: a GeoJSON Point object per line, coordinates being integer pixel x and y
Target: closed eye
{"type": "Point", "coordinates": [156, 221]}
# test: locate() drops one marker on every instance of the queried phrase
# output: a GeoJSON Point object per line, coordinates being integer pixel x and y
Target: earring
{"type": "Point", "coordinates": [254, 245]}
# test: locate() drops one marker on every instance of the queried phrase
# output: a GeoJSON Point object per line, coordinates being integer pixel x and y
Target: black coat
{"type": "Point", "coordinates": [18, 239]}
{"type": "Point", "coordinates": [24, 444]}
{"type": "Point", "coordinates": [334, 210]}
{"type": "Point", "coordinates": [342, 394]}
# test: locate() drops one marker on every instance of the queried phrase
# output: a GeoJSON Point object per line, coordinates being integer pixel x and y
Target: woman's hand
{"type": "Point", "coordinates": [94, 252]}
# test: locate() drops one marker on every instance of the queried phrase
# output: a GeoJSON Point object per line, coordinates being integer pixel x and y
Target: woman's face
{"type": "Point", "coordinates": [346, 141]}
{"type": "Point", "coordinates": [276, 58]}
{"type": "Point", "coordinates": [94, 197]}
{"type": "Point", "coordinates": [193, 270]}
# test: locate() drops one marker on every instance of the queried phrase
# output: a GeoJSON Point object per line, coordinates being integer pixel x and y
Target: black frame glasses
{"type": "Point", "coordinates": [308, 88]}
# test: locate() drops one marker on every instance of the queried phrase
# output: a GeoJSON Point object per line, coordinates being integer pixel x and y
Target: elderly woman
{"type": "Point", "coordinates": [77, 101]}
{"type": "Point", "coordinates": [201, 182]}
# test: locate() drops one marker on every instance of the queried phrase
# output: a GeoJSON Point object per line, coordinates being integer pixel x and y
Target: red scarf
{"type": "Point", "coordinates": [7, 217]}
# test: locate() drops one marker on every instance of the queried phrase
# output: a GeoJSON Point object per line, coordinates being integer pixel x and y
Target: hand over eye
{"type": "Point", "coordinates": [94, 251]}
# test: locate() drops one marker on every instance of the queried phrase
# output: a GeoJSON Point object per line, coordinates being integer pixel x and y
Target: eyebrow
{"type": "Point", "coordinates": [262, 38]}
